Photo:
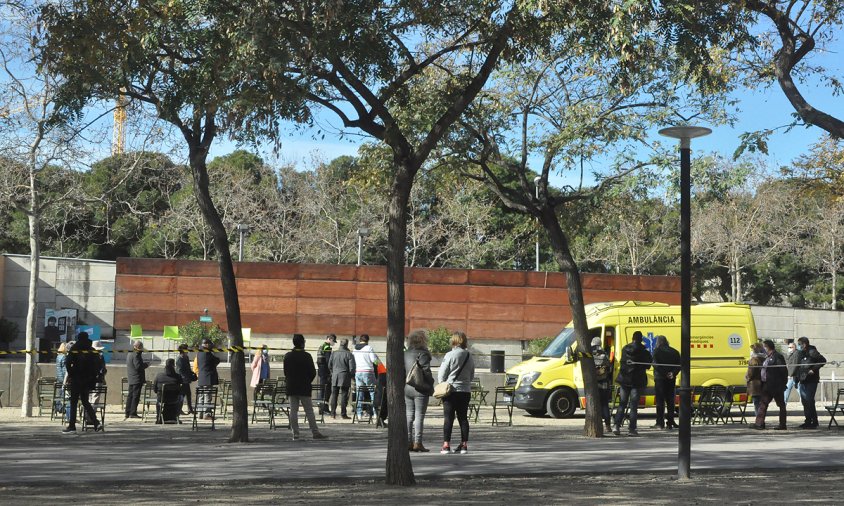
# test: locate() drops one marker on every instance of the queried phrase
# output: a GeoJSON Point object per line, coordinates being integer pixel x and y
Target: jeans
{"type": "Point", "coordinates": [664, 400]}
{"type": "Point", "coordinates": [807, 397]}
{"type": "Point", "coordinates": [308, 406]}
{"type": "Point", "coordinates": [414, 409]}
{"type": "Point", "coordinates": [363, 379]}
{"type": "Point", "coordinates": [628, 395]}
{"type": "Point", "coordinates": [343, 394]}
{"type": "Point", "coordinates": [757, 399]}
{"type": "Point", "coordinates": [604, 399]}
{"type": "Point", "coordinates": [790, 386]}
{"type": "Point", "coordinates": [456, 404]}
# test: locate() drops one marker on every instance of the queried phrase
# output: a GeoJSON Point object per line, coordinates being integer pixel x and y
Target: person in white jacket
{"type": "Point", "coordinates": [366, 364]}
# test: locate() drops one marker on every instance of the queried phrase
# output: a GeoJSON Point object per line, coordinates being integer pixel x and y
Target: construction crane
{"type": "Point", "coordinates": [118, 139]}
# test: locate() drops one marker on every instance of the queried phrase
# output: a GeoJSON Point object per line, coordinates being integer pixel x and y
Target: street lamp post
{"type": "Point", "coordinates": [536, 186]}
{"type": "Point", "coordinates": [243, 230]}
{"type": "Point", "coordinates": [362, 232]}
{"type": "Point", "coordinates": [685, 134]}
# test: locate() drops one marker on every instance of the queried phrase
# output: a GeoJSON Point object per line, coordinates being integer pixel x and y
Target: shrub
{"type": "Point", "coordinates": [193, 332]}
{"type": "Point", "coordinates": [8, 330]}
{"type": "Point", "coordinates": [438, 340]}
{"type": "Point", "coordinates": [537, 346]}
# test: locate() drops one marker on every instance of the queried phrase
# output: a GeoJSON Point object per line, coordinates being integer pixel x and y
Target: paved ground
{"type": "Point", "coordinates": [506, 463]}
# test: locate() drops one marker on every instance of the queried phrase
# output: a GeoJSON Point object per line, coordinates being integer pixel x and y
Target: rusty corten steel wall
{"type": "Point", "coordinates": [346, 299]}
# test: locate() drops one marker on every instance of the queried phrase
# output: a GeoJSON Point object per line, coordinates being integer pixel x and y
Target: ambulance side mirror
{"type": "Point", "coordinates": [570, 356]}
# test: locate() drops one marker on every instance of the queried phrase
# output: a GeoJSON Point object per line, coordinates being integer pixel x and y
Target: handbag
{"type": "Point", "coordinates": [416, 379]}
{"type": "Point", "coordinates": [444, 389]}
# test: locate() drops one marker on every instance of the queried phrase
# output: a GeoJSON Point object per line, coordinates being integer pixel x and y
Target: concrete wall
{"type": "Point", "coordinates": [86, 285]}
{"type": "Point", "coordinates": [823, 328]}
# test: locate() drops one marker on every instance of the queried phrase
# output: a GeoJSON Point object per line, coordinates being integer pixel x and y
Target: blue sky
{"type": "Point", "coordinates": [758, 109]}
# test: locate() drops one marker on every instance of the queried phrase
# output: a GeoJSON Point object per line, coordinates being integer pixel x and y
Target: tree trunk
{"type": "Point", "coordinates": [399, 466]}
{"type": "Point", "coordinates": [29, 376]}
{"type": "Point", "coordinates": [240, 419]}
{"type": "Point", "coordinates": [593, 426]}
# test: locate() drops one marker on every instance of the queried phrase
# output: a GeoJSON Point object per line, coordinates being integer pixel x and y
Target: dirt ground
{"type": "Point", "coordinates": [748, 488]}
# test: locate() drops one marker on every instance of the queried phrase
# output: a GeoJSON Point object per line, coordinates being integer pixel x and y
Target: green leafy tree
{"type": "Point", "coordinates": [182, 61]}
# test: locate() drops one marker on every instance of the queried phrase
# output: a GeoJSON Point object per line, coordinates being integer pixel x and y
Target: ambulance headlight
{"type": "Point", "coordinates": [529, 378]}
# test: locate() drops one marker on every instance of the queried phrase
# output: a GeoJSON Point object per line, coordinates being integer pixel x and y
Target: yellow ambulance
{"type": "Point", "coordinates": [721, 335]}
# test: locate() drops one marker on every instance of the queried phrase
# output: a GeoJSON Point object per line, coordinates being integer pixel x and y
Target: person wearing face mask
{"type": "Point", "coordinates": [808, 374]}
{"type": "Point", "coordinates": [260, 367]}
{"type": "Point", "coordinates": [791, 367]}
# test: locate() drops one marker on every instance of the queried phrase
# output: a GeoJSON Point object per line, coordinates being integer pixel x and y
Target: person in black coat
{"type": "Point", "coordinates": [183, 367]}
{"type": "Point", "coordinates": [136, 376]}
{"type": "Point", "coordinates": [299, 371]}
{"type": "Point", "coordinates": [632, 379]}
{"type": "Point", "coordinates": [808, 374]}
{"type": "Point", "coordinates": [207, 363]}
{"type": "Point", "coordinates": [83, 367]}
{"type": "Point", "coordinates": [774, 378]}
{"type": "Point", "coordinates": [169, 402]}
{"type": "Point", "coordinates": [666, 368]}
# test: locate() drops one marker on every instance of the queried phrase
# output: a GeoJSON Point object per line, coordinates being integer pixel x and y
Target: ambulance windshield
{"type": "Point", "coordinates": [558, 346]}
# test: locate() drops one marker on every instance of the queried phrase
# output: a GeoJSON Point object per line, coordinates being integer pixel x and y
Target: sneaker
{"type": "Point", "coordinates": [346, 417]}
{"type": "Point", "coordinates": [632, 432]}
{"type": "Point", "coordinates": [780, 427]}
{"type": "Point", "coordinates": [69, 430]}
{"type": "Point", "coordinates": [463, 449]}
{"type": "Point", "coordinates": [659, 426]}
{"type": "Point", "coordinates": [617, 431]}
{"type": "Point", "coordinates": [320, 435]}
{"type": "Point", "coordinates": [445, 450]}
{"type": "Point", "coordinates": [295, 437]}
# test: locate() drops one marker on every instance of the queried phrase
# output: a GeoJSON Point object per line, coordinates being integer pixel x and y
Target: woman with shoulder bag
{"type": "Point", "coordinates": [457, 369]}
{"type": "Point", "coordinates": [417, 363]}
{"type": "Point", "coordinates": [754, 375]}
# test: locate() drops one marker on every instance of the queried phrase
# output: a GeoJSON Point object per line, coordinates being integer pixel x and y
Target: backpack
{"type": "Point", "coordinates": [602, 364]}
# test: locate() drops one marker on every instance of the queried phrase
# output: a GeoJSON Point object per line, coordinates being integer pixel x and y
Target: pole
{"type": "Point", "coordinates": [360, 247]}
{"type": "Point", "coordinates": [536, 185]}
{"type": "Point", "coordinates": [240, 246]}
{"type": "Point", "coordinates": [685, 442]}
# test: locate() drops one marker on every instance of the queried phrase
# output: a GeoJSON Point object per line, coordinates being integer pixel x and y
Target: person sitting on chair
{"type": "Point", "coordinates": [167, 408]}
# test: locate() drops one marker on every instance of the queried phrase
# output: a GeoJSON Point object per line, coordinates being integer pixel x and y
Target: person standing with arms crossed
{"type": "Point", "coordinates": [666, 367]}
{"type": "Point", "coordinates": [808, 374]}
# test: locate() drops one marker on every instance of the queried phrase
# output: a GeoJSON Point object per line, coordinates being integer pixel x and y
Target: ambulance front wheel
{"type": "Point", "coordinates": [561, 403]}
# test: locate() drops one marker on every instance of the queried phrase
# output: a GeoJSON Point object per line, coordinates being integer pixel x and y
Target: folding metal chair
{"type": "Point", "coordinates": [205, 403]}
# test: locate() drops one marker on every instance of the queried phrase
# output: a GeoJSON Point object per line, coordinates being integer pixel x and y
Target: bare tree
{"type": "Point", "coordinates": [36, 149]}
{"type": "Point", "coordinates": [823, 245]}
{"type": "Point", "coordinates": [746, 226]}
